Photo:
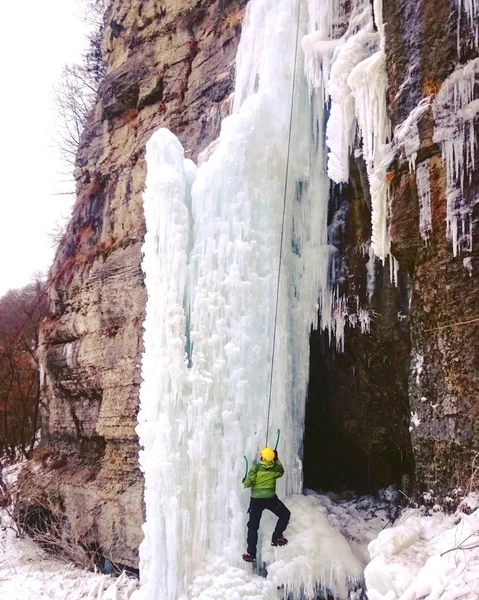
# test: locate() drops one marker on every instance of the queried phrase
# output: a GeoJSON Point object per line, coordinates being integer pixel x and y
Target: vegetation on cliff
{"type": "Point", "coordinates": [20, 312]}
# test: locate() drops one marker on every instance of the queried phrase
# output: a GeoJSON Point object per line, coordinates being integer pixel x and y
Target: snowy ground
{"type": "Point", "coordinates": [327, 544]}
{"type": "Point", "coordinates": [28, 573]}
{"type": "Point", "coordinates": [422, 557]}
{"type": "Point", "coordinates": [327, 548]}
{"type": "Point", "coordinates": [432, 557]}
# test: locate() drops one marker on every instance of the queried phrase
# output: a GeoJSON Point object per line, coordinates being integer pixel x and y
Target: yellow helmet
{"type": "Point", "coordinates": [267, 454]}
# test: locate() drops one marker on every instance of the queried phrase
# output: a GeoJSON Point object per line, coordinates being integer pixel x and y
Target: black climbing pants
{"type": "Point", "coordinates": [256, 507]}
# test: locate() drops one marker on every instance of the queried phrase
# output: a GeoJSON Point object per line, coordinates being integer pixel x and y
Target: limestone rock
{"type": "Point", "coordinates": [171, 64]}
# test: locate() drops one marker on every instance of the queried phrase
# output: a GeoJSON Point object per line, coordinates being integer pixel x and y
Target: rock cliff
{"type": "Point", "coordinates": [168, 63]}
{"type": "Point", "coordinates": [171, 63]}
{"type": "Point", "coordinates": [430, 51]}
{"type": "Point", "coordinates": [400, 403]}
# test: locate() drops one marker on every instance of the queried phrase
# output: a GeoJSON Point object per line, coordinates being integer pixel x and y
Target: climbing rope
{"type": "Point", "coordinates": [282, 223]}
{"type": "Point", "coordinates": [459, 323]}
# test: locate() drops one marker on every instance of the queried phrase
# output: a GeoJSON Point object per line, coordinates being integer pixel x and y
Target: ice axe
{"type": "Point", "coordinates": [278, 433]}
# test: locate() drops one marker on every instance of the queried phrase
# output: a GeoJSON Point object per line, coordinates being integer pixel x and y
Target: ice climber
{"type": "Point", "coordinates": [262, 481]}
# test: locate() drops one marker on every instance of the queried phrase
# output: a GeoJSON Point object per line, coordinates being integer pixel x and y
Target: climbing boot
{"type": "Point", "coordinates": [282, 541]}
{"type": "Point", "coordinates": [248, 558]}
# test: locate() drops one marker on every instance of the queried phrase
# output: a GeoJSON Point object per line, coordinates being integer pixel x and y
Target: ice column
{"type": "Point", "coordinates": [164, 371]}
{"type": "Point", "coordinates": [211, 264]}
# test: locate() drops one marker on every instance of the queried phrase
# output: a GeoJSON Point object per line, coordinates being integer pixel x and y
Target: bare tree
{"type": "Point", "coordinates": [20, 312]}
{"type": "Point", "coordinates": [58, 232]}
{"type": "Point", "coordinates": [94, 17]}
{"type": "Point", "coordinates": [74, 98]}
{"type": "Point", "coordinates": [76, 92]}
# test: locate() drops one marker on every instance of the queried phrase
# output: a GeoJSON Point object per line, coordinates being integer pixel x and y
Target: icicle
{"type": "Point", "coordinates": [423, 183]}
{"type": "Point", "coordinates": [368, 84]}
{"type": "Point", "coordinates": [318, 59]}
{"type": "Point", "coordinates": [406, 135]}
{"type": "Point", "coordinates": [341, 128]}
{"type": "Point", "coordinates": [355, 79]}
{"type": "Point", "coordinates": [371, 271]}
{"type": "Point", "coordinates": [471, 8]}
{"type": "Point", "coordinates": [323, 16]}
{"type": "Point", "coordinates": [393, 269]}
{"type": "Point", "coordinates": [455, 109]}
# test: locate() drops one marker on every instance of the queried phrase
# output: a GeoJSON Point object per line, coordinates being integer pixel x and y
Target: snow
{"type": "Point", "coordinates": [432, 557]}
{"type": "Point", "coordinates": [417, 368]}
{"type": "Point", "coordinates": [415, 421]}
{"type": "Point", "coordinates": [29, 573]}
{"type": "Point", "coordinates": [467, 262]}
{"type": "Point", "coordinates": [429, 556]}
{"type": "Point", "coordinates": [325, 538]}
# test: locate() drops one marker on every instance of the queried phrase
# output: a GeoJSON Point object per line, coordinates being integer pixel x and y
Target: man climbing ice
{"type": "Point", "coordinates": [262, 481]}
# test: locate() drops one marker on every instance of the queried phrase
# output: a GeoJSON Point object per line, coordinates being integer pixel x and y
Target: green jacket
{"type": "Point", "coordinates": [262, 478]}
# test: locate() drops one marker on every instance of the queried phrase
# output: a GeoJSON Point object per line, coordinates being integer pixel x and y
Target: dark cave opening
{"type": "Point", "coordinates": [357, 418]}
{"type": "Point", "coordinates": [357, 412]}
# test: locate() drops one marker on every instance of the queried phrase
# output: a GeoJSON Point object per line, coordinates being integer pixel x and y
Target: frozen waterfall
{"type": "Point", "coordinates": [211, 259]}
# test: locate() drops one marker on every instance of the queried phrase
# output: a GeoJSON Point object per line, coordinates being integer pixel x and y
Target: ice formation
{"type": "Point", "coordinates": [211, 260]}
{"type": "Point", "coordinates": [406, 135]}
{"type": "Point", "coordinates": [353, 74]}
{"type": "Point", "coordinates": [455, 110]}
{"type": "Point", "coordinates": [327, 540]}
{"type": "Point", "coordinates": [423, 183]}
{"type": "Point", "coordinates": [471, 9]}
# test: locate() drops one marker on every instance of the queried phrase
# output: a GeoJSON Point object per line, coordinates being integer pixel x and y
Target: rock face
{"type": "Point", "coordinates": [428, 46]}
{"type": "Point", "coordinates": [168, 63]}
{"type": "Point", "coordinates": [171, 63]}
{"type": "Point", "coordinates": [417, 369]}
{"type": "Point", "coordinates": [357, 414]}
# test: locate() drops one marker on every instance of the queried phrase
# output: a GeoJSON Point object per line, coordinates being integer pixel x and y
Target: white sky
{"type": "Point", "coordinates": [38, 37]}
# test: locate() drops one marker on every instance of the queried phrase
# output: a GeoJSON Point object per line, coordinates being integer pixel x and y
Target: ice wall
{"type": "Point", "coordinates": [211, 259]}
